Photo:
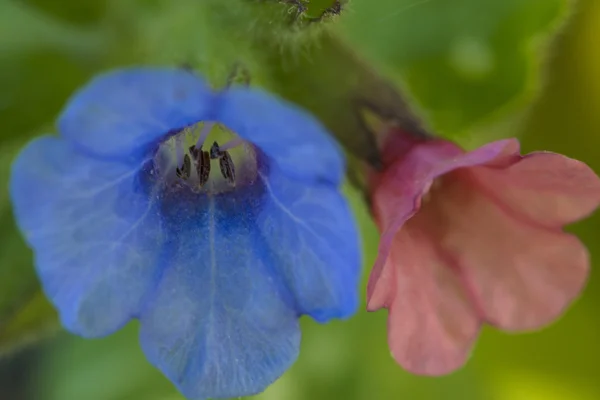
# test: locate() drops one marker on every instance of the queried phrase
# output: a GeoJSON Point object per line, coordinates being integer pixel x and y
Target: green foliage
{"type": "Point", "coordinates": [24, 29]}
{"type": "Point", "coordinates": [463, 60]}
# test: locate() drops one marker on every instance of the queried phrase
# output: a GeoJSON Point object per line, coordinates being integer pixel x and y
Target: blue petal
{"type": "Point", "coordinates": [220, 324]}
{"type": "Point", "coordinates": [289, 136]}
{"type": "Point", "coordinates": [311, 231]}
{"type": "Point", "coordinates": [94, 235]}
{"type": "Point", "coordinates": [124, 112]}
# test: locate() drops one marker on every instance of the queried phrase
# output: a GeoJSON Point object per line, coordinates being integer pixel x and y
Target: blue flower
{"type": "Point", "coordinates": [217, 245]}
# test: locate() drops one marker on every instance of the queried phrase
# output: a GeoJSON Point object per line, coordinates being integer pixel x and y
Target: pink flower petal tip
{"type": "Point", "coordinates": [471, 238]}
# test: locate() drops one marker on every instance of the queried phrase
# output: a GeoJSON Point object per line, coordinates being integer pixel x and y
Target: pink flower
{"type": "Point", "coordinates": [471, 238]}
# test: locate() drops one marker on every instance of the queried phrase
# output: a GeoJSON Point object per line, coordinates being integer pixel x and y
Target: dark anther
{"type": "Point", "coordinates": [203, 168]}
{"type": "Point", "coordinates": [227, 167]}
{"type": "Point", "coordinates": [186, 169]}
{"type": "Point", "coordinates": [202, 164]}
{"type": "Point", "coordinates": [215, 151]}
{"type": "Point", "coordinates": [225, 162]}
{"type": "Point", "coordinates": [195, 152]}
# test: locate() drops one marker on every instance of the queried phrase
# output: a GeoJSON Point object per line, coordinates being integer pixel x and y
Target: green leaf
{"type": "Point", "coordinates": [24, 29]}
{"type": "Point", "coordinates": [463, 60]}
{"type": "Point", "coordinates": [73, 12]}
{"type": "Point", "coordinates": [42, 61]}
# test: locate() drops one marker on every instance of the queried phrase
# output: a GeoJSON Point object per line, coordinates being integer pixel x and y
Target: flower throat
{"type": "Point", "coordinates": [187, 161]}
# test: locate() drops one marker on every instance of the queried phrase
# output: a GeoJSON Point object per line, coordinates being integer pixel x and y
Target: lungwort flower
{"type": "Point", "coordinates": [215, 218]}
{"type": "Point", "coordinates": [471, 238]}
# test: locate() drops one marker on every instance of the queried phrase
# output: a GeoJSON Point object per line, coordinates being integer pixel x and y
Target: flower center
{"type": "Point", "coordinates": [188, 160]}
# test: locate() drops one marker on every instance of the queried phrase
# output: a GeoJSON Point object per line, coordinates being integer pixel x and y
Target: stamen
{"type": "Point", "coordinates": [202, 163]}
{"type": "Point", "coordinates": [203, 168]}
{"type": "Point", "coordinates": [183, 166]}
{"type": "Point", "coordinates": [225, 161]}
{"type": "Point", "coordinates": [185, 171]}
{"type": "Point", "coordinates": [195, 152]}
{"type": "Point", "coordinates": [227, 168]}
{"type": "Point", "coordinates": [215, 151]}
{"type": "Point", "coordinates": [204, 133]}
{"type": "Point", "coordinates": [232, 143]}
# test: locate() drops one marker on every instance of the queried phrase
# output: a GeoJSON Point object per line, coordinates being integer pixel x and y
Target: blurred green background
{"type": "Point", "coordinates": [476, 69]}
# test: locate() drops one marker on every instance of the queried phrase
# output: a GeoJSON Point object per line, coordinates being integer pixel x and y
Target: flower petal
{"type": "Point", "coordinates": [433, 320]}
{"type": "Point", "coordinates": [289, 136]}
{"type": "Point", "coordinates": [123, 113]}
{"type": "Point", "coordinates": [94, 235]}
{"type": "Point", "coordinates": [431, 324]}
{"type": "Point", "coordinates": [546, 188]}
{"type": "Point", "coordinates": [397, 195]}
{"type": "Point", "coordinates": [480, 240]}
{"type": "Point", "coordinates": [394, 202]}
{"type": "Point", "coordinates": [523, 275]}
{"type": "Point", "coordinates": [221, 323]}
{"type": "Point", "coordinates": [312, 235]}
{"type": "Point", "coordinates": [443, 160]}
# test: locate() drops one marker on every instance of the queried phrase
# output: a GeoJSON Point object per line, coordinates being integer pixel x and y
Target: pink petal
{"type": "Point", "coordinates": [476, 247]}
{"type": "Point", "coordinates": [443, 161]}
{"type": "Point", "coordinates": [397, 194]}
{"type": "Point", "coordinates": [522, 275]}
{"type": "Point", "coordinates": [432, 324]}
{"type": "Point", "coordinates": [546, 188]}
{"type": "Point", "coordinates": [393, 206]}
